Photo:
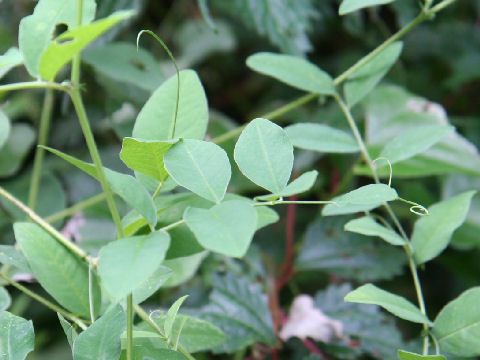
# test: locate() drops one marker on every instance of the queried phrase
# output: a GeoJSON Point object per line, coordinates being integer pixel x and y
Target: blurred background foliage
{"type": "Point", "coordinates": [440, 62]}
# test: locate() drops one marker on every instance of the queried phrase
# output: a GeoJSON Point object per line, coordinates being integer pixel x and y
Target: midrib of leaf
{"type": "Point", "coordinates": [217, 200]}
{"type": "Point", "coordinates": [477, 322]}
{"type": "Point", "coordinates": [265, 155]}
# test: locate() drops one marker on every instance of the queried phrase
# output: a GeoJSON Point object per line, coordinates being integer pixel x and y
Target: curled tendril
{"type": "Point", "coordinates": [416, 209]}
{"type": "Point", "coordinates": [389, 165]}
{"type": "Point", "coordinates": [165, 47]}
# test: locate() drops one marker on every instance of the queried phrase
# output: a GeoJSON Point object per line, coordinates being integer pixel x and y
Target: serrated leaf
{"type": "Point", "coordinates": [146, 156]}
{"type": "Point", "coordinates": [226, 228]}
{"type": "Point", "coordinates": [122, 62]}
{"type": "Point", "coordinates": [127, 263]}
{"type": "Point", "coordinates": [397, 305]}
{"type": "Point", "coordinates": [171, 315]}
{"type": "Point", "coordinates": [200, 166]}
{"type": "Point", "coordinates": [366, 225]}
{"type": "Point", "coordinates": [16, 336]}
{"type": "Point", "coordinates": [16, 148]}
{"type": "Point", "coordinates": [373, 194]}
{"type": "Point", "coordinates": [293, 71]}
{"type": "Point", "coordinates": [9, 60]}
{"type": "Point", "coordinates": [264, 154]}
{"type": "Point", "coordinates": [63, 48]}
{"type": "Point", "coordinates": [101, 340]}
{"type": "Point", "coordinates": [321, 138]}
{"type": "Point", "coordinates": [457, 326]}
{"type": "Point", "coordinates": [364, 79]}
{"type": "Point", "coordinates": [68, 329]}
{"type": "Point", "coordinates": [348, 6]}
{"type": "Point", "coordinates": [413, 142]}
{"type": "Point", "coordinates": [239, 308]}
{"type": "Point", "coordinates": [156, 119]}
{"type": "Point", "coordinates": [432, 233]}
{"type": "Point", "coordinates": [406, 355]}
{"type": "Point", "coordinates": [126, 186]}
{"type": "Point", "coordinates": [35, 31]}
{"type": "Point", "coordinates": [61, 273]}
{"type": "Point", "coordinates": [11, 256]}
{"type": "Point", "coordinates": [301, 184]}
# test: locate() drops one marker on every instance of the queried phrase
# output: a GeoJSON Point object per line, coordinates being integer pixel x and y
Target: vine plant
{"type": "Point", "coordinates": [99, 295]}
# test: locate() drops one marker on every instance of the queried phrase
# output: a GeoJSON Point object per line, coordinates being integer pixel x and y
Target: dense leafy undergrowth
{"type": "Point", "coordinates": [341, 224]}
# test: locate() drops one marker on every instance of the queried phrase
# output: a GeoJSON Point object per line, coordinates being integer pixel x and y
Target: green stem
{"type": "Point", "coordinates": [44, 301]}
{"type": "Point", "coordinates": [46, 226]}
{"type": "Point", "coordinates": [173, 225]}
{"type": "Point", "coordinates": [34, 85]}
{"type": "Point", "coordinates": [130, 326]}
{"type": "Point", "coordinates": [282, 202]}
{"type": "Point", "coordinates": [144, 316]}
{"type": "Point", "coordinates": [44, 128]}
{"type": "Point", "coordinates": [76, 208]}
{"type": "Point", "coordinates": [157, 190]}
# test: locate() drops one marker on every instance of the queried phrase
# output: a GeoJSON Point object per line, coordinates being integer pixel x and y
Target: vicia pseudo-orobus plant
{"type": "Point", "coordinates": [176, 224]}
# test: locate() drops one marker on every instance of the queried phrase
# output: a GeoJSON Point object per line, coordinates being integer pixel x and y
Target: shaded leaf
{"type": "Point", "coordinates": [432, 233]}
{"type": "Point", "coordinates": [322, 138]}
{"type": "Point", "coordinates": [16, 336]}
{"type": "Point", "coordinates": [405, 355]}
{"type": "Point", "coordinates": [183, 268]}
{"type": "Point", "coordinates": [348, 6]}
{"type": "Point", "coordinates": [366, 225]}
{"type": "Point", "coordinates": [16, 148]}
{"type": "Point", "coordinates": [293, 71]}
{"type": "Point", "coordinates": [226, 228]}
{"type": "Point", "coordinates": [5, 299]}
{"type": "Point", "coordinates": [68, 329]}
{"type": "Point", "coordinates": [264, 154]}
{"type": "Point", "coordinates": [11, 256]}
{"type": "Point", "coordinates": [200, 166]}
{"type": "Point", "coordinates": [61, 273]}
{"type": "Point", "coordinates": [9, 60]}
{"type": "Point", "coordinates": [4, 126]}
{"type": "Point", "coordinates": [301, 184]}
{"type": "Point", "coordinates": [143, 291]}
{"type": "Point", "coordinates": [397, 305]}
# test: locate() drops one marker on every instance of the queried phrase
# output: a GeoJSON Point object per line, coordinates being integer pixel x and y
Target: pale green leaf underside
{"type": "Point", "coordinates": [293, 71]}
{"type": "Point", "coordinates": [226, 228]}
{"type": "Point", "coordinates": [432, 233]}
{"type": "Point", "coordinates": [4, 128]}
{"type": "Point", "coordinates": [68, 329]}
{"type": "Point", "coordinates": [264, 154]}
{"type": "Point", "coordinates": [348, 6]}
{"type": "Point", "coordinates": [301, 184]}
{"type": "Point", "coordinates": [5, 299]}
{"type": "Point", "coordinates": [9, 60]}
{"type": "Point", "coordinates": [127, 263]}
{"type": "Point", "coordinates": [366, 225]}
{"type": "Point", "coordinates": [126, 186]}
{"type": "Point", "coordinates": [335, 209]}
{"type": "Point", "coordinates": [16, 336]}
{"type": "Point", "coordinates": [61, 50]}
{"type": "Point", "coordinates": [151, 285]}
{"type": "Point", "coordinates": [405, 355]}
{"type": "Point", "coordinates": [9, 255]}
{"type": "Point", "coordinates": [200, 166]}
{"type": "Point", "coordinates": [413, 142]}
{"type": "Point", "coordinates": [457, 326]}
{"type": "Point", "coordinates": [373, 194]}
{"type": "Point", "coordinates": [16, 148]}
{"type": "Point", "coordinates": [397, 305]}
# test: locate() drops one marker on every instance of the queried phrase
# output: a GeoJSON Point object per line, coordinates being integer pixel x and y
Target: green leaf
{"type": "Point", "coordinates": [16, 148]}
{"type": "Point", "coordinates": [405, 355]}
{"type": "Point", "coordinates": [432, 233]}
{"type": "Point", "coordinates": [200, 166]}
{"type": "Point", "coordinates": [413, 142]}
{"type": "Point", "coordinates": [457, 326]}
{"type": "Point", "coordinates": [226, 228]}
{"type": "Point", "coordinates": [397, 305]}
{"type": "Point", "coordinates": [240, 309]}
{"type": "Point", "coordinates": [348, 6]}
{"type": "Point", "coordinates": [321, 138]}
{"type": "Point", "coordinates": [156, 120]}
{"type": "Point", "coordinates": [126, 186]}
{"type": "Point", "coordinates": [301, 184]}
{"type": "Point", "coordinates": [293, 71]}
{"type": "Point", "coordinates": [334, 209]}
{"type": "Point", "coordinates": [146, 156]}
{"type": "Point", "coordinates": [16, 337]}
{"type": "Point", "coordinates": [4, 127]}
{"type": "Point", "coordinates": [171, 315]}
{"type": "Point", "coordinates": [127, 263]}
{"type": "Point", "coordinates": [122, 62]}
{"type": "Point", "coordinates": [183, 268]}
{"type": "Point", "coordinates": [9, 60]}
{"type": "Point", "coordinates": [373, 194]}
{"type": "Point", "coordinates": [5, 299]}
{"type": "Point", "coordinates": [366, 225]}
{"type": "Point", "coordinates": [264, 154]}
{"type": "Point", "coordinates": [11, 256]}
{"type": "Point", "coordinates": [364, 79]}
{"type": "Point", "coordinates": [35, 31]}
{"type": "Point", "coordinates": [143, 291]}
{"type": "Point", "coordinates": [196, 335]}
{"type": "Point", "coordinates": [63, 48]}
{"type": "Point", "coordinates": [61, 273]}
{"type": "Point", "coordinates": [68, 329]}
{"type": "Point", "coordinates": [101, 340]}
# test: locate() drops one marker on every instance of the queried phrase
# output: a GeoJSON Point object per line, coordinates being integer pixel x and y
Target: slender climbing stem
{"type": "Point", "coordinates": [82, 205]}
{"type": "Point", "coordinates": [284, 202]}
{"type": "Point", "coordinates": [173, 225]}
{"type": "Point", "coordinates": [44, 301]}
{"type": "Point", "coordinates": [44, 128]}
{"type": "Point", "coordinates": [35, 85]}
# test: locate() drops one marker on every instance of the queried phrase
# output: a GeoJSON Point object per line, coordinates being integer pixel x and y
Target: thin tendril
{"type": "Point", "coordinates": [389, 165]}
{"type": "Point", "coordinates": [416, 208]}
{"type": "Point", "coordinates": [435, 342]}
{"type": "Point", "coordinates": [165, 47]}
